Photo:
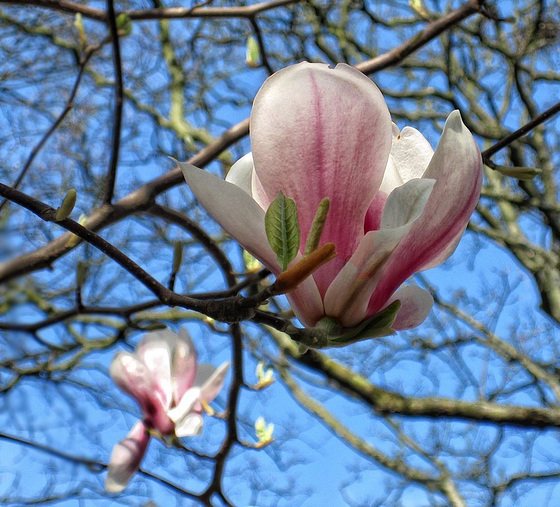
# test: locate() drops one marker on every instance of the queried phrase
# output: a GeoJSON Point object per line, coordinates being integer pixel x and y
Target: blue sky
{"type": "Point", "coordinates": [315, 467]}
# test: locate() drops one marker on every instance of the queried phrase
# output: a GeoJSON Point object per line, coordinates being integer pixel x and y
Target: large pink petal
{"type": "Point", "coordinates": [318, 132]}
{"type": "Point", "coordinates": [416, 304]}
{"type": "Point", "coordinates": [235, 210]}
{"type": "Point", "coordinates": [126, 458]}
{"type": "Point", "coordinates": [134, 378]}
{"type": "Point", "coordinates": [457, 168]}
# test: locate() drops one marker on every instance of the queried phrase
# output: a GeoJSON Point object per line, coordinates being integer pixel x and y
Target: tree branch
{"type": "Point", "coordinates": [429, 33]}
{"type": "Point", "coordinates": [520, 132]}
{"type": "Point", "coordinates": [384, 401]}
{"type": "Point", "coordinates": [148, 14]}
{"type": "Point", "coordinates": [119, 99]}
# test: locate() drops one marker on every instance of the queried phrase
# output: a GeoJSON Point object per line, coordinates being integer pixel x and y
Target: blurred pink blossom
{"type": "Point", "coordinates": [164, 378]}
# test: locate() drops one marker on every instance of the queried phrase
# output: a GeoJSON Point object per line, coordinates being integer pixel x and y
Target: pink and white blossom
{"type": "Point", "coordinates": [164, 378]}
{"type": "Point", "coordinates": [396, 206]}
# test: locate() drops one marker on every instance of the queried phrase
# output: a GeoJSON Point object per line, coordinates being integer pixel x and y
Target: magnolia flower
{"type": "Point", "coordinates": [396, 207]}
{"type": "Point", "coordinates": [164, 378]}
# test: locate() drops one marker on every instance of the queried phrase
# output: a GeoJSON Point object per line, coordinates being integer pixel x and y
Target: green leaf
{"type": "Point", "coordinates": [265, 377]}
{"type": "Point", "coordinates": [268, 432]}
{"type": "Point", "coordinates": [282, 229]}
{"type": "Point", "coordinates": [260, 428]}
{"type": "Point", "coordinates": [264, 432]}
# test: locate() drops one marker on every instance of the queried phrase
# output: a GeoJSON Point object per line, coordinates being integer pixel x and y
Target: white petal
{"type": "Point", "coordinates": [411, 153]}
{"type": "Point", "coordinates": [391, 178]}
{"type": "Point", "coordinates": [406, 203]}
{"type": "Point", "coordinates": [188, 403]}
{"type": "Point", "coordinates": [416, 304]}
{"type": "Point", "coordinates": [190, 426]}
{"type": "Point", "coordinates": [241, 173]}
{"type": "Point", "coordinates": [236, 211]}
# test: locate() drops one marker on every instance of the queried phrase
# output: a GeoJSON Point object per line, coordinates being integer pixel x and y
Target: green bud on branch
{"type": "Point", "coordinates": [79, 24]}
{"type": "Point", "coordinates": [520, 173]}
{"type": "Point", "coordinates": [67, 206]}
{"type": "Point", "coordinates": [124, 25]}
{"type": "Point", "coordinates": [263, 431]}
{"type": "Point", "coordinates": [314, 236]}
{"type": "Point", "coordinates": [177, 256]}
{"type": "Point", "coordinates": [81, 272]}
{"type": "Point", "coordinates": [253, 54]}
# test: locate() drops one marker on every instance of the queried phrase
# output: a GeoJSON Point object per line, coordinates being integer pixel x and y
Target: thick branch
{"type": "Point", "coordinates": [147, 14]}
{"type": "Point", "coordinates": [384, 401]}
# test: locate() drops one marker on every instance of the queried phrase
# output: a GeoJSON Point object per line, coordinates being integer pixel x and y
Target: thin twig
{"type": "Point", "coordinates": [137, 201]}
{"type": "Point", "coordinates": [92, 465]}
{"type": "Point", "coordinates": [262, 48]}
{"type": "Point", "coordinates": [229, 310]}
{"type": "Point", "coordinates": [119, 98]}
{"type": "Point", "coordinates": [429, 33]}
{"type": "Point", "coordinates": [69, 105]}
{"type": "Point", "coordinates": [525, 129]}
